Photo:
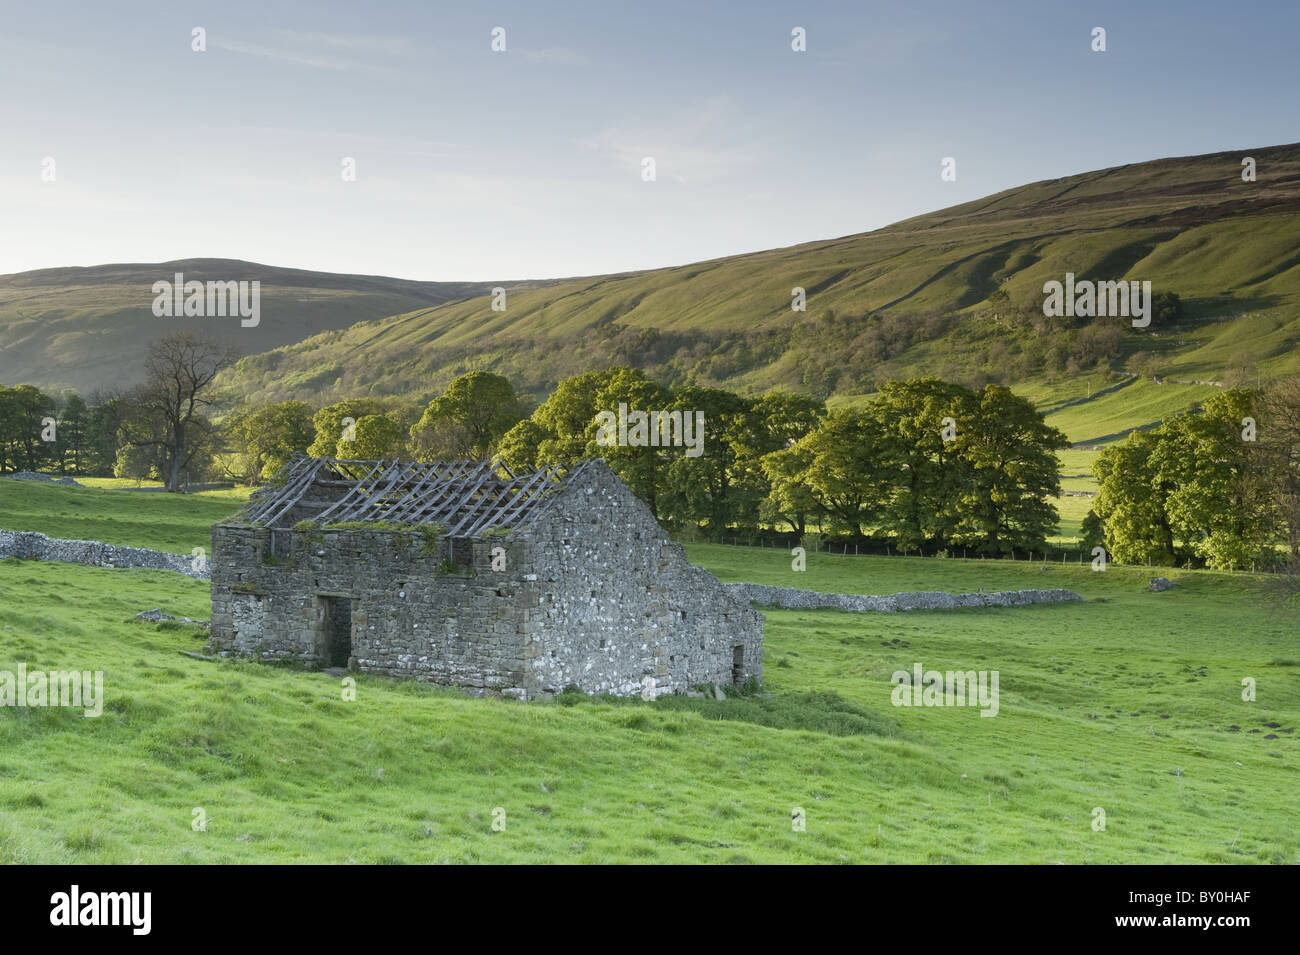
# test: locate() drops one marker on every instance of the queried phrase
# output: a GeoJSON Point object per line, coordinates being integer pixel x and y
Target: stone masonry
{"type": "Point", "coordinates": [791, 598]}
{"type": "Point", "coordinates": [590, 593]}
{"type": "Point", "coordinates": [30, 545]}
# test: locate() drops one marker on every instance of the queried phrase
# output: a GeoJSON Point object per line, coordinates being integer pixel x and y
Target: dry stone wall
{"type": "Point", "coordinates": [30, 545]}
{"type": "Point", "coordinates": [792, 598]}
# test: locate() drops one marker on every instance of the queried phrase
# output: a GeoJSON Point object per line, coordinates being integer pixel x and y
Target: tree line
{"type": "Point", "coordinates": [1221, 487]}
{"type": "Point", "coordinates": [159, 428]}
{"type": "Point", "coordinates": [923, 466]}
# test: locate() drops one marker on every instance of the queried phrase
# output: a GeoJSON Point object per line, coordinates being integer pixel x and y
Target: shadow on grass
{"type": "Point", "coordinates": [816, 712]}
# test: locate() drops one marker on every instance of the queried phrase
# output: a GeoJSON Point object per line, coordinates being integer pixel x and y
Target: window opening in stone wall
{"type": "Point", "coordinates": [281, 545]}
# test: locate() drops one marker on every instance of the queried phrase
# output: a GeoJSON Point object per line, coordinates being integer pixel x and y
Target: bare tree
{"type": "Point", "coordinates": [168, 405]}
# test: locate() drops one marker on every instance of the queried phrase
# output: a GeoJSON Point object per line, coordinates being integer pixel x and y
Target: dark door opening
{"type": "Point", "coordinates": [338, 631]}
{"type": "Point", "coordinates": [738, 665]}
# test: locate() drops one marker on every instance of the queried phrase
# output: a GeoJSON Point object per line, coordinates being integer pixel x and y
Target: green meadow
{"type": "Point", "coordinates": [107, 511]}
{"type": "Point", "coordinates": [1107, 417]}
{"type": "Point", "coordinates": [1128, 702]}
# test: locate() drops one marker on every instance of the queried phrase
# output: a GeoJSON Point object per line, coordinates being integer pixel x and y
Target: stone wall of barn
{"type": "Point", "coordinates": [414, 612]}
{"type": "Point", "coordinates": [619, 603]}
{"type": "Point", "coordinates": [592, 595]}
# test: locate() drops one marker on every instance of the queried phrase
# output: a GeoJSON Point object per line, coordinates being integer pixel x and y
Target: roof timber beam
{"type": "Point", "coordinates": [468, 497]}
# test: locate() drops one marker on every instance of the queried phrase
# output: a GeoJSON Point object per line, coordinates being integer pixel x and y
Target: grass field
{"type": "Point", "coordinates": [169, 522]}
{"type": "Point", "coordinates": [1105, 418]}
{"type": "Point", "coordinates": [1128, 701]}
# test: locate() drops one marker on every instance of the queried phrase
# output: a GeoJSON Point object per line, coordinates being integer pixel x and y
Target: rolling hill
{"type": "Point", "coordinates": [86, 328]}
{"type": "Point", "coordinates": [954, 292]}
{"type": "Point", "coordinates": [922, 296]}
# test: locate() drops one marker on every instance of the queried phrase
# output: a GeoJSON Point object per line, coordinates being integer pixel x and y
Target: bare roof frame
{"type": "Point", "coordinates": [466, 497]}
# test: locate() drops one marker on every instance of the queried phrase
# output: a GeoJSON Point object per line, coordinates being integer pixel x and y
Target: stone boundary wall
{"type": "Point", "coordinates": [31, 545]}
{"type": "Point", "coordinates": [792, 598]}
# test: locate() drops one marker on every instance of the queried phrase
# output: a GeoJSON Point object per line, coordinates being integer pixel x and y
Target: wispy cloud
{"type": "Point", "coordinates": [321, 51]}
{"type": "Point", "coordinates": [556, 56]}
{"type": "Point", "coordinates": [384, 45]}
{"type": "Point", "coordinates": [693, 147]}
{"type": "Point", "coordinates": [326, 140]}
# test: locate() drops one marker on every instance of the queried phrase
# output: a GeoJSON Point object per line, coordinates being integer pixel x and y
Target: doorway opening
{"type": "Point", "coordinates": [337, 627]}
{"type": "Point", "coordinates": [738, 665]}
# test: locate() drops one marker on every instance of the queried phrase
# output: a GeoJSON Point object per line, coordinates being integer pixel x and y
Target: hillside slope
{"type": "Point", "coordinates": [912, 297]}
{"type": "Point", "coordinates": [86, 328]}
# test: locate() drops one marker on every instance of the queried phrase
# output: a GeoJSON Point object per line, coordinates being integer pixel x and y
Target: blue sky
{"type": "Point", "coordinates": [475, 165]}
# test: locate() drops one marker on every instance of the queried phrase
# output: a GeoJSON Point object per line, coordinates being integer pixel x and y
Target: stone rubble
{"type": "Point", "coordinates": [39, 476]}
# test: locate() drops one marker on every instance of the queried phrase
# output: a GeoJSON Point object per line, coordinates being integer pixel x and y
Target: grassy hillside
{"type": "Point", "coordinates": [1136, 403]}
{"type": "Point", "coordinates": [166, 522]}
{"type": "Point", "coordinates": [1129, 701]}
{"type": "Point", "coordinates": [87, 328]}
{"type": "Point", "coordinates": [910, 298]}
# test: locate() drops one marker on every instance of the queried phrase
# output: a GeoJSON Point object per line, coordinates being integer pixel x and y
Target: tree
{"type": "Point", "coordinates": [379, 437]}
{"type": "Point", "coordinates": [790, 498]}
{"type": "Point", "coordinates": [1092, 533]}
{"type": "Point", "coordinates": [1219, 502]}
{"type": "Point", "coordinates": [137, 463]}
{"type": "Point", "coordinates": [1279, 442]}
{"type": "Point", "coordinates": [844, 473]}
{"type": "Point", "coordinates": [1145, 364]}
{"type": "Point", "coordinates": [265, 440]}
{"type": "Point", "coordinates": [1133, 502]}
{"type": "Point", "coordinates": [72, 448]}
{"type": "Point", "coordinates": [104, 432]}
{"type": "Point", "coordinates": [1010, 454]}
{"type": "Point", "coordinates": [167, 406]}
{"type": "Point", "coordinates": [335, 433]}
{"type": "Point", "coordinates": [519, 447]}
{"type": "Point", "coordinates": [641, 468]}
{"type": "Point", "coordinates": [928, 471]}
{"type": "Point", "coordinates": [767, 458]}
{"type": "Point", "coordinates": [568, 416]}
{"type": "Point", "coordinates": [469, 419]}
{"type": "Point", "coordinates": [560, 429]}
{"type": "Point", "coordinates": [709, 488]}
{"type": "Point", "coordinates": [773, 422]}
{"type": "Point", "coordinates": [1166, 309]}
{"type": "Point", "coordinates": [1198, 480]}
{"type": "Point", "coordinates": [23, 410]}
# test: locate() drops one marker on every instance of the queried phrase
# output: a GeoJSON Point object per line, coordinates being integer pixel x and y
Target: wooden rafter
{"type": "Point", "coordinates": [467, 497]}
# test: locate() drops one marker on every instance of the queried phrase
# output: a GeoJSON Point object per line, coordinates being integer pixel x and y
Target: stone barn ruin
{"type": "Point", "coordinates": [466, 574]}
